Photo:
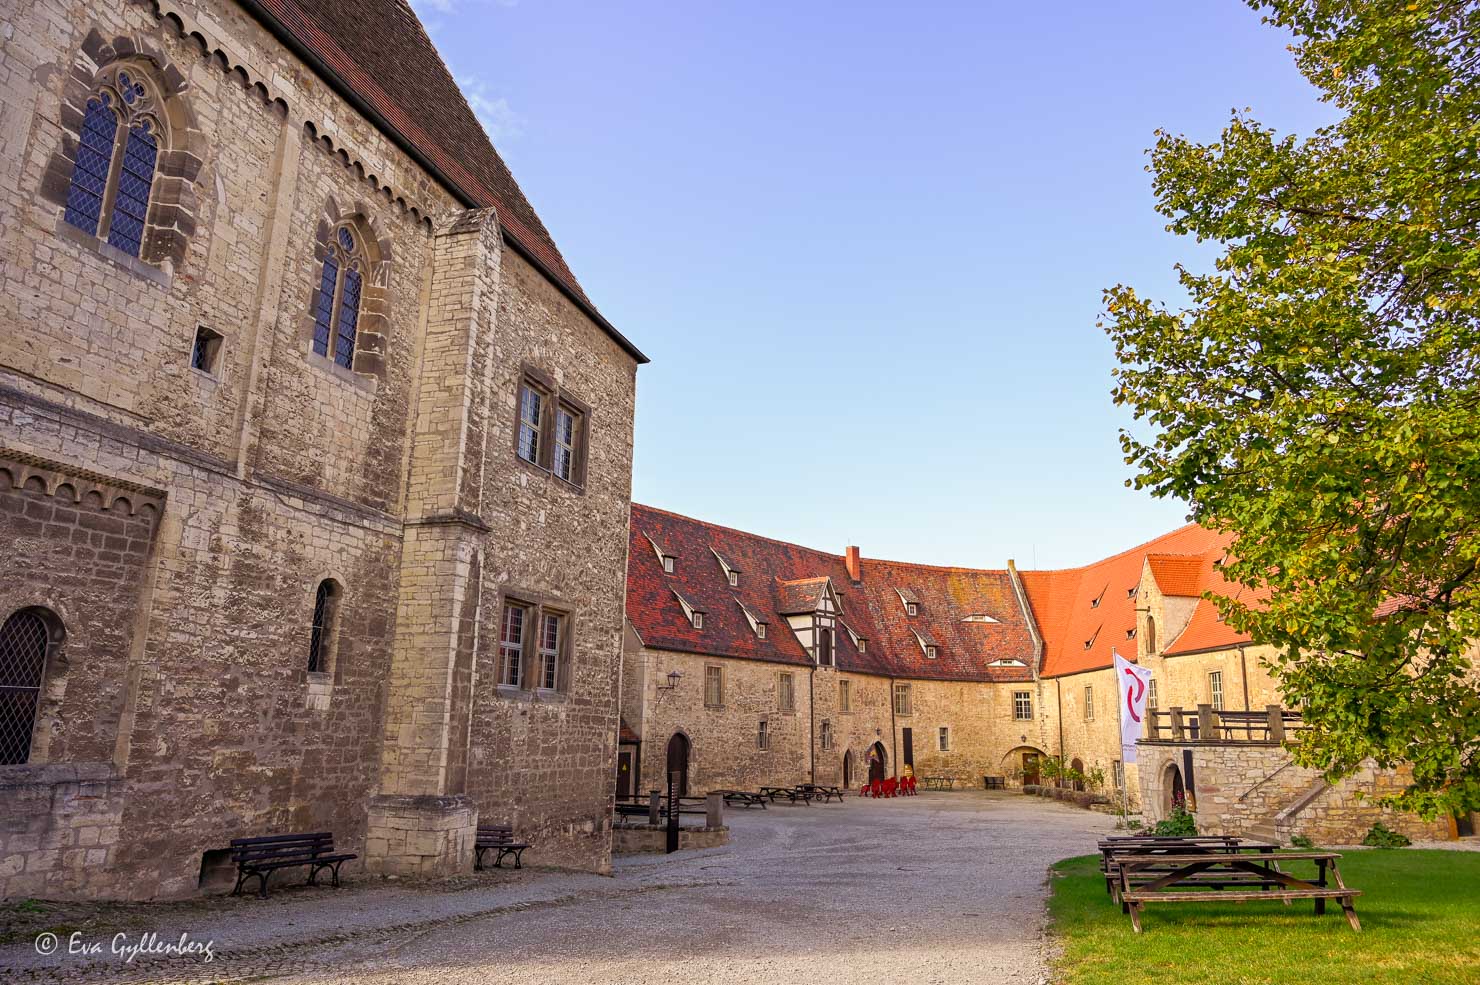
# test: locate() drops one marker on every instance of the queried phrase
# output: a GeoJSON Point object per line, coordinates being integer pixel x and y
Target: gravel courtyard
{"type": "Point", "coordinates": [941, 888]}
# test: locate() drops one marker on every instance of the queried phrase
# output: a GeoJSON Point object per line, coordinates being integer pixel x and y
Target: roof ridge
{"type": "Point", "coordinates": [734, 530]}
{"type": "Point", "coordinates": [1139, 548]}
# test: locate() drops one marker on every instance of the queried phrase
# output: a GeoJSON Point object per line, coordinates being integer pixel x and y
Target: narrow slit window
{"type": "Point", "coordinates": [321, 631]}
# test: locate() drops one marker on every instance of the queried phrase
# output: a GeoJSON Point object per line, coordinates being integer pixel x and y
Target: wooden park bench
{"type": "Point", "coordinates": [743, 798]}
{"type": "Point", "coordinates": [261, 857]}
{"type": "Point", "coordinates": [500, 837]}
{"type": "Point", "coordinates": [1200, 878]}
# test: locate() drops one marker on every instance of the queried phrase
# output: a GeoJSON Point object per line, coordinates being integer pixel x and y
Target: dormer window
{"type": "Point", "coordinates": [1095, 602]}
{"type": "Point", "coordinates": [758, 627]}
{"type": "Point", "coordinates": [928, 646]}
{"type": "Point", "coordinates": [698, 620]}
{"type": "Point", "coordinates": [1131, 594]}
{"type": "Point", "coordinates": [913, 608]}
{"type": "Point", "coordinates": [859, 643]}
{"type": "Point", "coordinates": [1130, 634]}
{"type": "Point", "coordinates": [910, 599]}
{"type": "Point", "coordinates": [1089, 642]}
{"type": "Point", "coordinates": [979, 617]}
{"type": "Point", "coordinates": [760, 630]}
{"type": "Point", "coordinates": [863, 646]}
{"type": "Point", "coordinates": [667, 565]}
{"type": "Point", "coordinates": [734, 577]}
{"type": "Point", "coordinates": [1006, 662]}
{"type": "Point", "coordinates": [732, 574]}
{"type": "Point", "coordinates": [930, 653]}
{"type": "Point", "coordinates": [695, 616]}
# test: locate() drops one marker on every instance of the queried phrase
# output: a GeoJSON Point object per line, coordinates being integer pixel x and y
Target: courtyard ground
{"type": "Point", "coordinates": [941, 888]}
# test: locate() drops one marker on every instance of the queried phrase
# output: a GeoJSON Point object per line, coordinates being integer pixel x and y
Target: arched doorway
{"type": "Point", "coordinates": [678, 762]}
{"type": "Point", "coordinates": [1077, 765]}
{"type": "Point", "coordinates": [1174, 794]}
{"type": "Point", "coordinates": [877, 762]}
{"type": "Point", "coordinates": [848, 769]}
{"type": "Point", "coordinates": [1024, 761]}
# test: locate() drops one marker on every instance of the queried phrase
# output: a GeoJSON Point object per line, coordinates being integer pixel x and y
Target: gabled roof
{"type": "Point", "coordinates": [799, 595]}
{"type": "Point", "coordinates": [782, 576]}
{"type": "Point", "coordinates": [1063, 601]}
{"type": "Point", "coordinates": [377, 55]}
{"type": "Point", "coordinates": [1179, 574]}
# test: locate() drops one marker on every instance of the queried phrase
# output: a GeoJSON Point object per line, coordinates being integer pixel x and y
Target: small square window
{"type": "Point", "coordinates": [205, 354]}
{"type": "Point", "coordinates": [930, 652]}
{"type": "Point", "coordinates": [668, 565]}
{"type": "Point", "coordinates": [913, 609]}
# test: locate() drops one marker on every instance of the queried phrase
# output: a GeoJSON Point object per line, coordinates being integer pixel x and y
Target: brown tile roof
{"type": "Point", "coordinates": [378, 52]}
{"type": "Point", "coordinates": [773, 570]}
{"type": "Point", "coordinates": [799, 595]}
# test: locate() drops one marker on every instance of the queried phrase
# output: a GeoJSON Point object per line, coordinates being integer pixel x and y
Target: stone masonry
{"type": "Point", "coordinates": [173, 523]}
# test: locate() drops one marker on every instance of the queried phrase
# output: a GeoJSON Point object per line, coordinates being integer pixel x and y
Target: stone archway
{"type": "Point", "coordinates": [1077, 765]}
{"type": "Point", "coordinates": [678, 762]}
{"type": "Point", "coordinates": [878, 762]}
{"type": "Point", "coordinates": [1173, 792]}
{"type": "Point", "coordinates": [1025, 761]}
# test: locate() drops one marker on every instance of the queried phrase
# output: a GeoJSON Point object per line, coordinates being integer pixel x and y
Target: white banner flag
{"type": "Point", "coordinates": [1134, 683]}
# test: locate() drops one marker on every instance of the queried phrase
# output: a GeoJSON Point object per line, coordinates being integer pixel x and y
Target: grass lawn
{"type": "Point", "coordinates": [1420, 913]}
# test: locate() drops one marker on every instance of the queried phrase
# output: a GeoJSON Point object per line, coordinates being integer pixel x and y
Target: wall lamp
{"type": "Point", "coordinates": [673, 678]}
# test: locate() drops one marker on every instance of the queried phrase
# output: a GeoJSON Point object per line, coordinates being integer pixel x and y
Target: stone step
{"type": "Point", "coordinates": [1263, 831]}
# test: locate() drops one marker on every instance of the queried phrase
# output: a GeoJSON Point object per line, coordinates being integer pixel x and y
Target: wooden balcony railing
{"type": "Point", "coordinates": [1208, 724]}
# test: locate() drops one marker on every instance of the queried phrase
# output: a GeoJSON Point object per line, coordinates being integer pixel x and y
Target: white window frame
{"type": "Point", "coordinates": [1021, 700]}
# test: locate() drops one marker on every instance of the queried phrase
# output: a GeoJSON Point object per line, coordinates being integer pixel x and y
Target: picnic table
{"type": "Point", "coordinates": [743, 798]}
{"type": "Point", "coordinates": [792, 794]}
{"type": "Point", "coordinates": [1200, 877]}
{"type": "Point", "coordinates": [821, 792]}
{"type": "Point", "coordinates": [1114, 848]}
{"type": "Point", "coordinates": [938, 782]}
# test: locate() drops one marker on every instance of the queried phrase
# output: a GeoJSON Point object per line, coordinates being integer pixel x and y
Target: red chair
{"type": "Point", "coordinates": [891, 787]}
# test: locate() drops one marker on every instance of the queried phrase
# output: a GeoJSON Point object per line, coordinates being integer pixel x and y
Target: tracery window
{"type": "Point", "coordinates": [336, 313]}
{"type": "Point", "coordinates": [117, 151]}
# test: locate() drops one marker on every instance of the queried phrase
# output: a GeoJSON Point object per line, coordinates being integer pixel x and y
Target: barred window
{"type": "Point", "coordinates": [1022, 705]}
{"type": "Point", "coordinates": [117, 153]}
{"type": "Point", "coordinates": [552, 636]}
{"type": "Point", "coordinates": [785, 693]}
{"type": "Point", "coordinates": [336, 312]}
{"type": "Point", "coordinates": [511, 646]}
{"type": "Point", "coordinates": [714, 687]}
{"type": "Point", "coordinates": [26, 640]}
{"type": "Point", "coordinates": [902, 699]}
{"type": "Point", "coordinates": [944, 738]}
{"type": "Point", "coordinates": [321, 635]}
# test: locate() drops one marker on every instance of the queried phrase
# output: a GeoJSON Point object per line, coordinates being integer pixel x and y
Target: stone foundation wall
{"type": "Point", "coordinates": [1244, 786]}
{"type": "Point", "coordinates": [59, 830]}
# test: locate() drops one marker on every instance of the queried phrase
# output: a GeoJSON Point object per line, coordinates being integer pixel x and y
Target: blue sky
{"type": "Point", "coordinates": [864, 244]}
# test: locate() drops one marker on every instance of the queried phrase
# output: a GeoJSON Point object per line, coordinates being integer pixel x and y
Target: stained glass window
{"type": "Point", "coordinates": [131, 205]}
{"type": "Point", "coordinates": [349, 315]}
{"type": "Point", "coordinates": [94, 158]}
{"type": "Point", "coordinates": [323, 309]}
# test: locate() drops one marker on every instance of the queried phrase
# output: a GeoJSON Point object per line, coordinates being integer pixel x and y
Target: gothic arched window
{"type": "Point", "coordinates": [321, 641]}
{"type": "Point", "coordinates": [114, 170]}
{"type": "Point", "coordinates": [26, 640]}
{"type": "Point", "coordinates": [336, 312]}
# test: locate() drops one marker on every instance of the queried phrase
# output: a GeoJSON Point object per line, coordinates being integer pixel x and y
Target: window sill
{"type": "Point", "coordinates": [365, 384]}
{"type": "Point", "coordinates": [544, 473]}
{"type": "Point", "coordinates": [109, 252]}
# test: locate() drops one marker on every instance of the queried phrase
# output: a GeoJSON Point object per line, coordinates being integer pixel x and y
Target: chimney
{"type": "Point", "coordinates": [855, 570]}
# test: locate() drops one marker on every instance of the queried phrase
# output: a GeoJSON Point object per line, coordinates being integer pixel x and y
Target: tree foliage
{"type": "Point", "coordinates": [1316, 395]}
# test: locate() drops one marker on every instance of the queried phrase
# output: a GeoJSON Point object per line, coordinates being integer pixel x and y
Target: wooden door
{"type": "Point", "coordinates": [626, 786]}
{"type": "Point", "coordinates": [678, 762]}
{"type": "Point", "coordinates": [1030, 769]}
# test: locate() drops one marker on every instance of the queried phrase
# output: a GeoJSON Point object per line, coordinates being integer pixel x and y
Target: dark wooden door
{"type": "Point", "coordinates": [678, 762]}
{"type": "Point", "coordinates": [626, 782]}
{"type": "Point", "coordinates": [909, 747]}
{"type": "Point", "coordinates": [848, 768]}
{"type": "Point", "coordinates": [875, 763]}
{"type": "Point", "coordinates": [1030, 769]}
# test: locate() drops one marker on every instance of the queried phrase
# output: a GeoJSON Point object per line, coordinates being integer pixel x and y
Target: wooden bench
{"type": "Point", "coordinates": [743, 798]}
{"type": "Point", "coordinates": [1191, 870]}
{"type": "Point", "coordinates": [261, 857]}
{"type": "Point", "coordinates": [1110, 847]}
{"type": "Point", "coordinates": [500, 837]}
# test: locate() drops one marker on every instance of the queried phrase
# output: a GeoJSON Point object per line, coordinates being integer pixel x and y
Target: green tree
{"type": "Point", "coordinates": [1316, 393]}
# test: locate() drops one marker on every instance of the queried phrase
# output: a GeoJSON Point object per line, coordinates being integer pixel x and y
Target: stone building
{"type": "Point", "coordinates": [750, 661]}
{"type": "Point", "coordinates": [315, 459]}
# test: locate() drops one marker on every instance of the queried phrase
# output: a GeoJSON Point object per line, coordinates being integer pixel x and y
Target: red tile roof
{"type": "Point", "coordinates": [799, 595]}
{"type": "Point", "coordinates": [1179, 574]}
{"type": "Point", "coordinates": [1093, 605]}
{"type": "Point", "coordinates": [379, 51]}
{"type": "Point", "coordinates": [773, 573]}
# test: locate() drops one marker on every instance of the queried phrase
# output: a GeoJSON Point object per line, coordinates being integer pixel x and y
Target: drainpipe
{"type": "Point", "coordinates": [893, 730]}
{"type": "Point", "coordinates": [1058, 686]}
{"type": "Point", "coordinates": [1243, 665]}
{"type": "Point", "coordinates": [812, 727]}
